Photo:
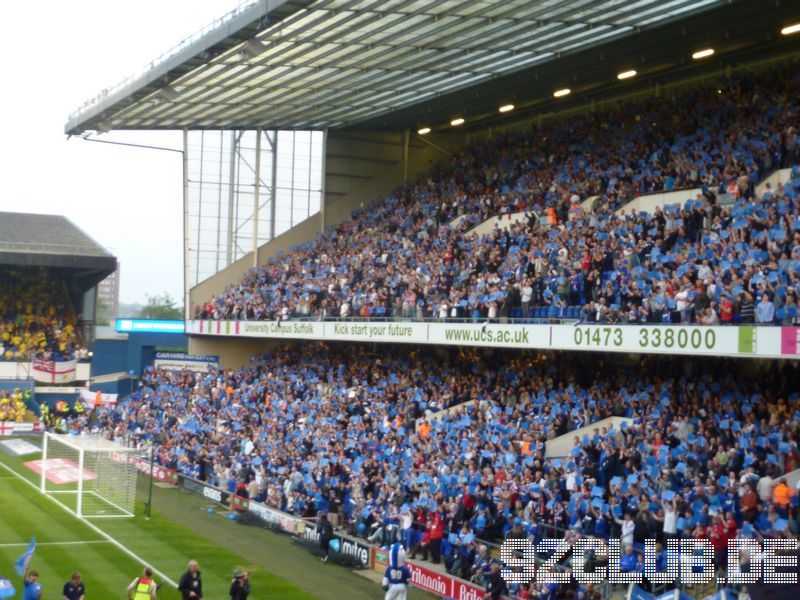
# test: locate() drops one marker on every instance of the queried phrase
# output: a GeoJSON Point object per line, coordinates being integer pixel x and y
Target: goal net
{"type": "Point", "coordinates": [89, 475]}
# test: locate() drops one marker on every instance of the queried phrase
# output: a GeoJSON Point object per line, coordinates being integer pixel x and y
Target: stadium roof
{"type": "Point", "coordinates": [51, 241]}
{"type": "Point", "coordinates": [316, 64]}
{"type": "Point", "coordinates": [52, 234]}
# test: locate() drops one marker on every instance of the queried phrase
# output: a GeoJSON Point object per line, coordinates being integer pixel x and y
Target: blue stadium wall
{"type": "Point", "coordinates": [130, 356]}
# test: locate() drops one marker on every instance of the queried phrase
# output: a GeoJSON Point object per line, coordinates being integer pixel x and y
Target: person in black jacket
{"type": "Point", "coordinates": [496, 588]}
{"type": "Point", "coordinates": [240, 586]}
{"type": "Point", "coordinates": [325, 531]}
{"type": "Point", "coordinates": [190, 585]}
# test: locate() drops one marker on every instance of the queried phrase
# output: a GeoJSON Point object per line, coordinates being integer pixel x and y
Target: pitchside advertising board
{"type": "Point", "coordinates": [269, 516]}
{"type": "Point", "coordinates": [348, 546]}
{"type": "Point", "coordinates": [741, 341]}
{"type": "Point", "coordinates": [207, 491]}
{"type": "Point", "coordinates": [12, 427]}
{"type": "Point", "coordinates": [441, 584]}
{"type": "Point", "coordinates": [180, 361]}
{"type": "Point", "coordinates": [287, 523]}
{"type": "Point", "coordinates": [160, 473]}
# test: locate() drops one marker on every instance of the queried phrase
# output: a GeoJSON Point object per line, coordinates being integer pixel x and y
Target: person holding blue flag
{"type": "Point", "coordinates": [21, 564]}
{"type": "Point", "coordinates": [32, 587]}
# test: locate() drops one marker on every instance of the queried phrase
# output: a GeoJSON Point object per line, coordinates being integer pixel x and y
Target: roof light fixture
{"type": "Point", "coordinates": [506, 108]}
{"type": "Point", "coordinates": [457, 121]}
{"type": "Point", "coordinates": [423, 130]}
{"type": "Point", "coordinates": [562, 92]}
{"type": "Point", "coordinates": [790, 29]}
{"type": "Point", "coordinates": [704, 53]}
{"type": "Point", "coordinates": [626, 74]}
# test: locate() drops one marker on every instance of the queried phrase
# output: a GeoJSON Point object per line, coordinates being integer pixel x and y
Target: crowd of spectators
{"type": "Point", "coordinates": [727, 255]}
{"type": "Point", "coordinates": [35, 319]}
{"type": "Point", "coordinates": [14, 404]}
{"type": "Point", "coordinates": [362, 436]}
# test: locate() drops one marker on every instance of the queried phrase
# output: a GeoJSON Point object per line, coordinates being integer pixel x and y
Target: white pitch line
{"type": "Point", "coordinates": [25, 544]}
{"type": "Point", "coordinates": [93, 527]}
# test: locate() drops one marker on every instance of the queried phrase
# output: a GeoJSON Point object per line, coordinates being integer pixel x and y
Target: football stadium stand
{"type": "Point", "coordinates": [35, 316]}
{"type": "Point", "coordinates": [687, 263]}
{"type": "Point", "coordinates": [13, 405]}
{"type": "Point", "coordinates": [311, 428]}
{"type": "Point", "coordinates": [660, 200]}
{"type": "Point", "coordinates": [48, 271]}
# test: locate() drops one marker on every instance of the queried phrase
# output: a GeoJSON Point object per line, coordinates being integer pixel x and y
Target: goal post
{"type": "Point", "coordinates": [89, 475]}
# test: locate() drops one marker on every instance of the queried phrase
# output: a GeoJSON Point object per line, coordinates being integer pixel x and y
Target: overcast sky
{"type": "Point", "coordinates": [57, 54]}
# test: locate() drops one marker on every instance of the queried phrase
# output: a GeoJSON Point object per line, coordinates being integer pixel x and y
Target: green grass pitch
{"type": "Point", "coordinates": [180, 529]}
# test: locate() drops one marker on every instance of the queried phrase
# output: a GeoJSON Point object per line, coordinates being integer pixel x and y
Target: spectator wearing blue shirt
{"type": "Point", "coordinates": [765, 311]}
{"type": "Point", "coordinates": [548, 591]}
{"type": "Point", "coordinates": [627, 563]}
{"type": "Point", "coordinates": [33, 589]}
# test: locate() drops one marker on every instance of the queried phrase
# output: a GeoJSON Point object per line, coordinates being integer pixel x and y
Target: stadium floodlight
{"type": "Point", "coordinates": [562, 92]}
{"type": "Point", "coordinates": [626, 74]}
{"type": "Point", "coordinates": [89, 475]}
{"type": "Point", "coordinates": [790, 29]}
{"type": "Point", "coordinates": [457, 121]}
{"type": "Point", "coordinates": [704, 53]}
{"type": "Point", "coordinates": [423, 131]}
{"type": "Point", "coordinates": [506, 108]}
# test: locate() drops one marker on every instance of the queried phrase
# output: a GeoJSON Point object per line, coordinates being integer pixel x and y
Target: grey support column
{"type": "Point", "coordinates": [274, 202]}
{"type": "Point", "coordinates": [231, 197]}
{"type": "Point", "coordinates": [256, 197]}
{"type": "Point", "coordinates": [186, 302]}
{"type": "Point", "coordinates": [322, 199]}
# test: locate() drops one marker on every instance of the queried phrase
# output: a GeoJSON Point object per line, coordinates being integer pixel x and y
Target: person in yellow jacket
{"type": "Point", "coordinates": [143, 588]}
{"type": "Point", "coordinates": [78, 408]}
